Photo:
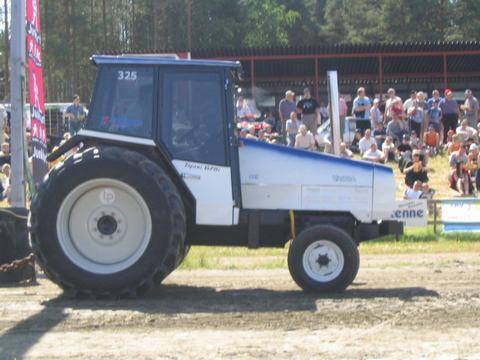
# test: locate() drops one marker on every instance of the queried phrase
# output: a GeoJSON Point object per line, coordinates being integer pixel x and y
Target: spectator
{"type": "Point", "coordinates": [304, 139]}
{"type": "Point", "coordinates": [455, 145]}
{"type": "Point", "coordinates": [271, 136]}
{"type": "Point", "coordinates": [5, 182]}
{"type": "Point", "coordinates": [373, 154]}
{"type": "Point", "coordinates": [470, 108]}
{"type": "Point", "coordinates": [5, 154]}
{"type": "Point", "coordinates": [472, 161]}
{"type": "Point", "coordinates": [415, 171]}
{"type": "Point", "coordinates": [421, 100]}
{"type": "Point", "coordinates": [450, 134]}
{"type": "Point", "coordinates": [459, 177]}
{"type": "Point", "coordinates": [375, 114]}
{"type": "Point", "coordinates": [309, 108]}
{"type": "Point", "coordinates": [414, 192]}
{"type": "Point", "coordinates": [361, 110]}
{"type": "Point", "coordinates": [268, 119]}
{"type": "Point", "coordinates": [466, 132]}
{"type": "Point", "coordinates": [396, 128]}
{"type": "Point", "coordinates": [355, 145]}
{"type": "Point", "coordinates": [343, 108]}
{"type": "Point", "coordinates": [292, 126]}
{"type": "Point", "coordinates": [388, 148]}
{"type": "Point", "coordinates": [380, 134]}
{"type": "Point", "coordinates": [393, 106]}
{"type": "Point", "coordinates": [434, 118]}
{"type": "Point", "coordinates": [285, 109]}
{"type": "Point", "coordinates": [3, 120]}
{"type": "Point", "coordinates": [76, 115]}
{"type": "Point", "coordinates": [435, 98]}
{"type": "Point", "coordinates": [432, 140]}
{"type": "Point", "coordinates": [416, 116]}
{"type": "Point", "coordinates": [404, 152]}
{"type": "Point", "coordinates": [261, 136]}
{"type": "Point", "coordinates": [415, 140]}
{"type": "Point", "coordinates": [366, 142]}
{"type": "Point", "coordinates": [344, 151]}
{"type": "Point", "coordinates": [477, 175]}
{"type": "Point", "coordinates": [323, 112]}
{"type": "Point", "coordinates": [450, 111]}
{"type": "Point", "coordinates": [409, 102]}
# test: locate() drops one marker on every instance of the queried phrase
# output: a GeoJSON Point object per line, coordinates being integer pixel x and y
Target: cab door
{"type": "Point", "coordinates": [193, 128]}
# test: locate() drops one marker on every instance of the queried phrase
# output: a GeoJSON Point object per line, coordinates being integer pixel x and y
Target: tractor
{"type": "Point", "coordinates": [159, 167]}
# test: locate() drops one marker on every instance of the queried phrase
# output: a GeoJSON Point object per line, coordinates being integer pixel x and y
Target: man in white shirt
{"type": "Point", "coordinates": [366, 141]}
{"type": "Point", "coordinates": [415, 192]}
{"type": "Point", "coordinates": [466, 132]}
{"type": "Point", "coordinates": [373, 154]}
{"type": "Point", "coordinates": [410, 102]}
{"type": "Point", "coordinates": [304, 139]}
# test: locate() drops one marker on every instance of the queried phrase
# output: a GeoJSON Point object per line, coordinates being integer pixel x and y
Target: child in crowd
{"type": "Point", "coordinates": [432, 140]}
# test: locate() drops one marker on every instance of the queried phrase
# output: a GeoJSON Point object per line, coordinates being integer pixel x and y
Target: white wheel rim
{"type": "Point", "coordinates": [323, 260]}
{"type": "Point", "coordinates": [104, 226]}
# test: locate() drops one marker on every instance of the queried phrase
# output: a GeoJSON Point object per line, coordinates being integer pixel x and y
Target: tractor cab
{"type": "Point", "coordinates": [186, 108]}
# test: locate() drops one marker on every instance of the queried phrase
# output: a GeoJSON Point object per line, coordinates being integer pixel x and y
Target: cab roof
{"type": "Point", "coordinates": [158, 60]}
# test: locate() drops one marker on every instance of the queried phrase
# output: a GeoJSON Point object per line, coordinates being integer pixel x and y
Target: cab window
{"type": "Point", "coordinates": [123, 101]}
{"type": "Point", "coordinates": [193, 121]}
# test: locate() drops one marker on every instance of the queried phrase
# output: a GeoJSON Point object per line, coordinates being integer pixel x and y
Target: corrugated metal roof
{"type": "Point", "coordinates": [426, 46]}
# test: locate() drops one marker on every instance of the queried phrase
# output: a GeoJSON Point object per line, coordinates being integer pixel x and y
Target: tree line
{"type": "Point", "coordinates": [75, 29]}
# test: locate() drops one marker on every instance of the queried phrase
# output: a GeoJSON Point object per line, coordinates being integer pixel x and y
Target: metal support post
{"type": "Point", "coordinates": [17, 81]}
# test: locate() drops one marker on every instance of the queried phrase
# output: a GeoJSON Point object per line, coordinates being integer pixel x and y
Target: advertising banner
{"type": "Point", "coordinates": [37, 100]}
{"type": "Point", "coordinates": [461, 215]}
{"type": "Point", "coordinates": [412, 213]}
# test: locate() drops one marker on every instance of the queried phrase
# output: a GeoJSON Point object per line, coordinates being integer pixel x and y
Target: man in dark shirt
{"type": "Point", "coordinates": [76, 114]}
{"type": "Point", "coordinates": [309, 108]}
{"type": "Point", "coordinates": [404, 152]}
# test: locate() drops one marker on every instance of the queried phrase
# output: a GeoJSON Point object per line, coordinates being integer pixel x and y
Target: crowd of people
{"type": "Point", "coordinates": [404, 132]}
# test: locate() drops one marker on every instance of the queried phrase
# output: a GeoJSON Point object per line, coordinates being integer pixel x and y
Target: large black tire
{"type": "Point", "coordinates": [311, 280]}
{"type": "Point", "coordinates": [166, 245]}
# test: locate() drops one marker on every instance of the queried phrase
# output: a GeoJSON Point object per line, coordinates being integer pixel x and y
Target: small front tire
{"type": "Point", "coordinates": [323, 258]}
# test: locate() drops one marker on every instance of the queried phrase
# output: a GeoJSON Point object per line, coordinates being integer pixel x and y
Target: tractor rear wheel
{"type": "Point", "coordinates": [323, 258]}
{"type": "Point", "coordinates": [108, 222]}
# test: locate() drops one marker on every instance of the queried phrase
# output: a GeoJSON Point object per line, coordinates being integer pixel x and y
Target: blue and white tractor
{"type": "Point", "coordinates": [159, 168]}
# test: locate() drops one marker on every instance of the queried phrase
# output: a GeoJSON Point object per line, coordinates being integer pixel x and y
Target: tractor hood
{"type": "Point", "coordinates": [279, 177]}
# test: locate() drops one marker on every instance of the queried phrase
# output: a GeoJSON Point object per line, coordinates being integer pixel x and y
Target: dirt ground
{"type": "Point", "coordinates": [410, 306]}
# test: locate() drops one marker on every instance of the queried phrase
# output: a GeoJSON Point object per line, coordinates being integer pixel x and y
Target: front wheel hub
{"type": "Point", "coordinates": [107, 225]}
{"type": "Point", "coordinates": [323, 260]}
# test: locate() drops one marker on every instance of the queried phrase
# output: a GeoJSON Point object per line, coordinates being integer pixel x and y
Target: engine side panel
{"type": "Point", "coordinates": [277, 177]}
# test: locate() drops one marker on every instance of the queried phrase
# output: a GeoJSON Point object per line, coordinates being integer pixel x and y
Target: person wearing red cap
{"type": "Point", "coordinates": [450, 112]}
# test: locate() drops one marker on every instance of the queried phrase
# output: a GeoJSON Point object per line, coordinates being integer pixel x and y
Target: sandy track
{"type": "Point", "coordinates": [402, 306]}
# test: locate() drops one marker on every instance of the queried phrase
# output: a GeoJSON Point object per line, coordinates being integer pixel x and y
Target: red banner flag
{"type": "Point", "coordinates": [37, 100]}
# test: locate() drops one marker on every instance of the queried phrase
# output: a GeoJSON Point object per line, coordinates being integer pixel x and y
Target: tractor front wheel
{"type": "Point", "coordinates": [323, 258]}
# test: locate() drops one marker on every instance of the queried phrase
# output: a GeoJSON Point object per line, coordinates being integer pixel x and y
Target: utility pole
{"type": "Point", "coordinates": [189, 25]}
{"type": "Point", "coordinates": [17, 81]}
